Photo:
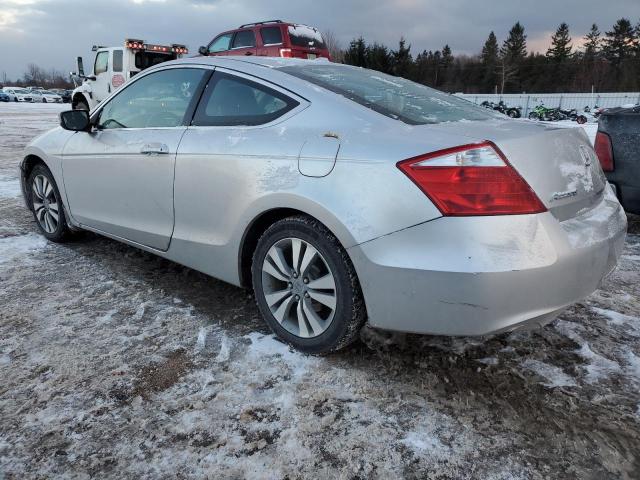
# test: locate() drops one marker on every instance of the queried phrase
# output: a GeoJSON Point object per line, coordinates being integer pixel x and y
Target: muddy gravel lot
{"type": "Point", "coordinates": [118, 364]}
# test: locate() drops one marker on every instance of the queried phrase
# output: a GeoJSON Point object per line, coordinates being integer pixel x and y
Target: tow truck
{"type": "Point", "coordinates": [113, 66]}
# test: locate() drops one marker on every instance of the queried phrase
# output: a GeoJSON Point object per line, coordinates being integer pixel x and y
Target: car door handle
{"type": "Point", "coordinates": [249, 53]}
{"type": "Point", "coordinates": [154, 149]}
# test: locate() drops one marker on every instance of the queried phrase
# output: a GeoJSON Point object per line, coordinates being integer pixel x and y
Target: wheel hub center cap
{"type": "Point", "coordinates": [298, 287]}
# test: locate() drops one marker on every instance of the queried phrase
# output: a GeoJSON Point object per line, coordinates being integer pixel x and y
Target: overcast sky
{"type": "Point", "coordinates": [52, 33]}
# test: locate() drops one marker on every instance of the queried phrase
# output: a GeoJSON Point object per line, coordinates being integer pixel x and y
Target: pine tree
{"type": "Point", "coordinates": [621, 42]}
{"type": "Point", "coordinates": [514, 48]}
{"type": "Point", "coordinates": [489, 57]}
{"type": "Point", "coordinates": [402, 60]}
{"type": "Point", "coordinates": [379, 58]}
{"type": "Point", "coordinates": [357, 53]}
{"type": "Point", "coordinates": [592, 42]}
{"type": "Point", "coordinates": [490, 50]}
{"type": "Point", "coordinates": [560, 48]}
{"type": "Point", "coordinates": [512, 54]}
{"type": "Point", "coordinates": [447, 56]}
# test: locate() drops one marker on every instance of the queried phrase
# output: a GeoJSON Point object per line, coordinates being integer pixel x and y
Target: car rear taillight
{"type": "Point", "coordinates": [604, 151]}
{"type": "Point", "coordinates": [472, 179]}
{"type": "Point", "coordinates": [286, 53]}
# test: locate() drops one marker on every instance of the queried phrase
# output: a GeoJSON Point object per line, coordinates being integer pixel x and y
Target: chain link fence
{"type": "Point", "coordinates": [565, 101]}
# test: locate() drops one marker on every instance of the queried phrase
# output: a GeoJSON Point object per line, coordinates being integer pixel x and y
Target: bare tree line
{"type": "Point", "coordinates": [39, 77]}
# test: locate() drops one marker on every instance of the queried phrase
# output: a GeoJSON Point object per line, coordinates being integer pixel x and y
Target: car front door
{"type": "Point", "coordinates": [119, 178]}
{"type": "Point", "coordinates": [100, 86]}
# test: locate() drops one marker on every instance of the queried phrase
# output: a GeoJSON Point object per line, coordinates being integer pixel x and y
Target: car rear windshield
{"type": "Point", "coordinates": [303, 36]}
{"type": "Point", "coordinates": [394, 97]}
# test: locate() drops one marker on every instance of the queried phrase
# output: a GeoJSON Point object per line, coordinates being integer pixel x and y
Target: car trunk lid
{"type": "Point", "coordinates": [559, 164]}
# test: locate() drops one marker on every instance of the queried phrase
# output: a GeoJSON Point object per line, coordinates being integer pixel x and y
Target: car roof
{"type": "Point", "coordinates": [271, 62]}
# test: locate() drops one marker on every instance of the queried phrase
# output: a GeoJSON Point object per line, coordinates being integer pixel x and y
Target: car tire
{"type": "Point", "coordinates": [321, 308]}
{"type": "Point", "coordinates": [44, 100]}
{"type": "Point", "coordinates": [45, 202]}
{"type": "Point", "coordinates": [81, 105]}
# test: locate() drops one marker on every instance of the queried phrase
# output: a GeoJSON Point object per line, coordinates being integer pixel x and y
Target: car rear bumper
{"type": "Point", "coordinates": [482, 275]}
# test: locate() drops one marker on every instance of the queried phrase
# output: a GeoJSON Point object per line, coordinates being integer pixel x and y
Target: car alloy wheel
{"type": "Point", "coordinates": [299, 287]}
{"type": "Point", "coordinates": [45, 204]}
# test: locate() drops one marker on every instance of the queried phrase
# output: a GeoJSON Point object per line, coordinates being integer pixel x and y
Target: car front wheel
{"type": "Point", "coordinates": [46, 204]}
{"type": "Point", "coordinates": [306, 287]}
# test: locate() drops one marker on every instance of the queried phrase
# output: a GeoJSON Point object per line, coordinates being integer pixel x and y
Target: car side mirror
{"type": "Point", "coordinates": [80, 66]}
{"type": "Point", "coordinates": [203, 51]}
{"type": "Point", "coordinates": [75, 120]}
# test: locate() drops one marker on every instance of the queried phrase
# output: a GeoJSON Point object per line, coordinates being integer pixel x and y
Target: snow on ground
{"type": "Point", "coordinates": [9, 186]}
{"type": "Point", "coordinates": [118, 364]}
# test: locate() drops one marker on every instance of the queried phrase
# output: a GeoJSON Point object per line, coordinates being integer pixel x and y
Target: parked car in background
{"type": "Point", "coordinates": [18, 94]}
{"type": "Point", "coordinates": [4, 97]}
{"type": "Point", "coordinates": [618, 147]}
{"type": "Point", "coordinates": [271, 38]}
{"type": "Point", "coordinates": [43, 96]}
{"type": "Point", "coordinates": [267, 173]}
{"type": "Point", "coordinates": [65, 94]}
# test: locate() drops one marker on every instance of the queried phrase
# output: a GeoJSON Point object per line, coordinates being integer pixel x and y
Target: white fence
{"type": "Point", "coordinates": [528, 101]}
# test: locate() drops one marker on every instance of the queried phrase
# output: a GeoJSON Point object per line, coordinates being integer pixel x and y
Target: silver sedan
{"type": "Point", "coordinates": [340, 195]}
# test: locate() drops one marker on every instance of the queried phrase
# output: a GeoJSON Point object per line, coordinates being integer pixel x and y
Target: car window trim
{"type": "Point", "coordinates": [233, 39]}
{"type": "Point", "coordinates": [106, 52]}
{"type": "Point", "coordinates": [208, 71]}
{"type": "Point", "coordinates": [293, 104]}
{"type": "Point", "coordinates": [231, 34]}
{"type": "Point", "coordinates": [113, 60]}
{"type": "Point", "coordinates": [281, 42]}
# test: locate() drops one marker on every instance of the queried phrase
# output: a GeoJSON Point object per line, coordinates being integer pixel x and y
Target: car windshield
{"type": "Point", "coordinates": [394, 97]}
{"type": "Point", "coordinates": [21, 91]}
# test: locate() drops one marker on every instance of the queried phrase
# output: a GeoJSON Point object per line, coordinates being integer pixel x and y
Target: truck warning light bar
{"type": "Point", "coordinates": [140, 45]}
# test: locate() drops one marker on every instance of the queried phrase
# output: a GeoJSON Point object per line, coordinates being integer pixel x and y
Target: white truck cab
{"type": "Point", "coordinates": [113, 66]}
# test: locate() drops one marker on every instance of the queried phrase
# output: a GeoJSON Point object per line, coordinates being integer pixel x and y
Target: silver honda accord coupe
{"type": "Point", "coordinates": [340, 195]}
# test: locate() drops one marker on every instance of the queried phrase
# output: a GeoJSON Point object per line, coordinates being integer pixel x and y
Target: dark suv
{"type": "Point", "coordinates": [272, 38]}
{"type": "Point", "coordinates": [617, 145]}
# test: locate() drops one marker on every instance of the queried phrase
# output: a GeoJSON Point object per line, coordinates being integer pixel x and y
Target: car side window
{"type": "Point", "coordinates": [231, 100]}
{"type": "Point", "coordinates": [160, 99]}
{"type": "Point", "coordinates": [244, 39]}
{"type": "Point", "coordinates": [221, 43]}
{"type": "Point", "coordinates": [271, 35]}
{"type": "Point", "coordinates": [102, 63]}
